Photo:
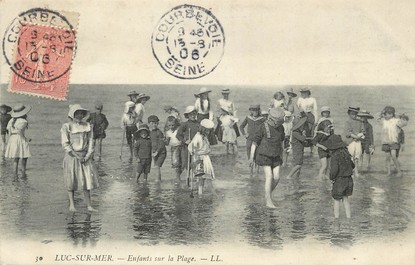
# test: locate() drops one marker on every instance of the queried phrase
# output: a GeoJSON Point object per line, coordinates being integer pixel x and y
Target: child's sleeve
{"type": "Point", "coordinates": [90, 143]}
{"type": "Point", "coordinates": [297, 135]}
{"type": "Point", "coordinates": [123, 122]}
{"type": "Point", "coordinates": [161, 145]}
{"type": "Point", "coordinates": [65, 138]}
{"type": "Point", "coordinates": [317, 138]}
{"type": "Point", "coordinates": [259, 134]}
{"type": "Point", "coordinates": [105, 123]}
{"type": "Point", "coordinates": [242, 126]}
{"type": "Point", "coordinates": [334, 167]}
{"type": "Point", "coordinates": [136, 147]}
{"type": "Point", "coordinates": [180, 132]}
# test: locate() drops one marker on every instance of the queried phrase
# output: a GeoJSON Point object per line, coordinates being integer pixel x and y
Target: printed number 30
{"type": "Point", "coordinates": [39, 259]}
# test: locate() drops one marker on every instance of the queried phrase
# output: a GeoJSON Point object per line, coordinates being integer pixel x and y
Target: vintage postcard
{"type": "Point", "coordinates": [207, 132]}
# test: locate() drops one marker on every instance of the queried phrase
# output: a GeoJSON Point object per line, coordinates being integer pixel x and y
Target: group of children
{"type": "Point", "coordinates": [270, 138]}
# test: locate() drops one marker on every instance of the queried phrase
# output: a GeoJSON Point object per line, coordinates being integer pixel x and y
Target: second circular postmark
{"type": "Point", "coordinates": [188, 42]}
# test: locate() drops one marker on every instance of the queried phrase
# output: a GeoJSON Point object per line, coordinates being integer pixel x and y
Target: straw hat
{"type": "Point", "coordinates": [203, 90]}
{"type": "Point", "coordinates": [334, 142]}
{"type": "Point", "coordinates": [365, 113]}
{"type": "Point", "coordinates": [143, 127]}
{"type": "Point", "coordinates": [74, 108]}
{"type": "Point", "coordinates": [353, 109]}
{"type": "Point", "coordinates": [8, 108]}
{"type": "Point", "coordinates": [143, 96]}
{"type": "Point", "coordinates": [291, 93]}
{"type": "Point", "coordinates": [20, 110]}
{"type": "Point", "coordinates": [325, 108]}
{"type": "Point", "coordinates": [189, 109]}
{"type": "Point", "coordinates": [132, 93]}
{"type": "Point", "coordinates": [208, 124]}
{"type": "Point", "coordinates": [226, 91]}
{"type": "Point", "coordinates": [305, 90]}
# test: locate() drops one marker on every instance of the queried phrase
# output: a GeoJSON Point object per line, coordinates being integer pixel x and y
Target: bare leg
{"type": "Point", "coordinates": [16, 166]}
{"type": "Point", "coordinates": [24, 164]}
{"type": "Point", "coordinates": [3, 145]}
{"type": "Point", "coordinates": [138, 176]}
{"type": "Point", "coordinates": [87, 195]}
{"type": "Point", "coordinates": [369, 157]}
{"type": "Point", "coordinates": [158, 173]}
{"type": "Point", "coordinates": [99, 148]}
{"type": "Point", "coordinates": [131, 151]}
{"type": "Point", "coordinates": [336, 208]}
{"type": "Point", "coordinates": [323, 167]}
{"type": "Point", "coordinates": [346, 204]}
{"type": "Point", "coordinates": [356, 168]}
{"type": "Point", "coordinates": [294, 171]}
{"type": "Point", "coordinates": [268, 187]}
{"type": "Point", "coordinates": [71, 201]}
{"type": "Point", "coordinates": [388, 163]}
{"type": "Point", "coordinates": [145, 177]}
{"type": "Point", "coordinates": [201, 185]}
{"type": "Point", "coordinates": [276, 177]}
{"type": "Point", "coordinates": [227, 148]}
{"type": "Point", "coordinates": [178, 173]}
{"type": "Point", "coordinates": [396, 162]}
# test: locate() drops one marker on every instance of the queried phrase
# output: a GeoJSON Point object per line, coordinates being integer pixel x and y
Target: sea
{"type": "Point", "coordinates": [150, 214]}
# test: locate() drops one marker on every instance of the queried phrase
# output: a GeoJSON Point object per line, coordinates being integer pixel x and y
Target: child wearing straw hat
{"type": "Point", "coordinates": [368, 146]}
{"type": "Point", "coordinates": [354, 134]}
{"type": "Point", "coordinates": [187, 131]}
{"type": "Point", "coordinates": [79, 171]}
{"type": "Point", "coordinates": [18, 145]}
{"type": "Point", "coordinates": [139, 107]}
{"type": "Point", "coordinates": [5, 117]}
{"type": "Point", "coordinates": [229, 136]}
{"type": "Point", "coordinates": [143, 151]}
{"type": "Point", "coordinates": [100, 123]}
{"type": "Point", "coordinates": [253, 121]}
{"type": "Point", "coordinates": [341, 171]}
{"type": "Point", "coordinates": [289, 104]}
{"type": "Point", "coordinates": [199, 148]}
{"type": "Point", "coordinates": [267, 149]}
{"type": "Point", "coordinates": [203, 108]}
{"type": "Point", "coordinates": [129, 124]}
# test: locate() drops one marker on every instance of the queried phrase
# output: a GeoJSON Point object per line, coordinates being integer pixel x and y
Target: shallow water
{"type": "Point", "coordinates": [164, 213]}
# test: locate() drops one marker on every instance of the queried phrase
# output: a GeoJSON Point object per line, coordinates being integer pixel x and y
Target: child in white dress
{"type": "Point", "coordinates": [229, 136]}
{"type": "Point", "coordinates": [18, 145]}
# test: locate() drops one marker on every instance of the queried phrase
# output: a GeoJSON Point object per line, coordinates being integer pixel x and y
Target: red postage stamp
{"type": "Point", "coordinates": [39, 47]}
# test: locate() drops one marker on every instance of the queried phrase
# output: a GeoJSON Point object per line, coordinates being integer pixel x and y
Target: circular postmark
{"type": "Point", "coordinates": [39, 45]}
{"type": "Point", "coordinates": [188, 42]}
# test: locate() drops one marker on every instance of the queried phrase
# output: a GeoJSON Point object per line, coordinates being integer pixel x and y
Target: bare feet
{"type": "Point", "coordinates": [271, 205]}
{"type": "Point", "coordinates": [92, 209]}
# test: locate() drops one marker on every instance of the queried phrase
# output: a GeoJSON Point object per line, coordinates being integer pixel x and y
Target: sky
{"type": "Point", "coordinates": [267, 42]}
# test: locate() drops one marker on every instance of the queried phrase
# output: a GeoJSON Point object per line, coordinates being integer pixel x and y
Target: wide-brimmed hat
{"type": "Point", "coordinates": [334, 142]}
{"type": "Point", "coordinates": [20, 110]}
{"type": "Point", "coordinates": [74, 108]}
{"type": "Point", "coordinates": [325, 108]}
{"type": "Point", "coordinates": [143, 96]}
{"type": "Point", "coordinates": [143, 127]}
{"type": "Point", "coordinates": [203, 90]}
{"type": "Point", "coordinates": [189, 109]}
{"type": "Point", "coordinates": [7, 107]}
{"type": "Point", "coordinates": [353, 108]}
{"type": "Point", "coordinates": [226, 91]}
{"type": "Point", "coordinates": [208, 124]}
{"type": "Point", "coordinates": [365, 114]}
{"type": "Point", "coordinates": [254, 107]}
{"type": "Point", "coordinates": [305, 90]}
{"type": "Point", "coordinates": [153, 118]}
{"type": "Point", "coordinates": [276, 113]}
{"type": "Point", "coordinates": [291, 93]}
{"type": "Point", "coordinates": [132, 93]}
